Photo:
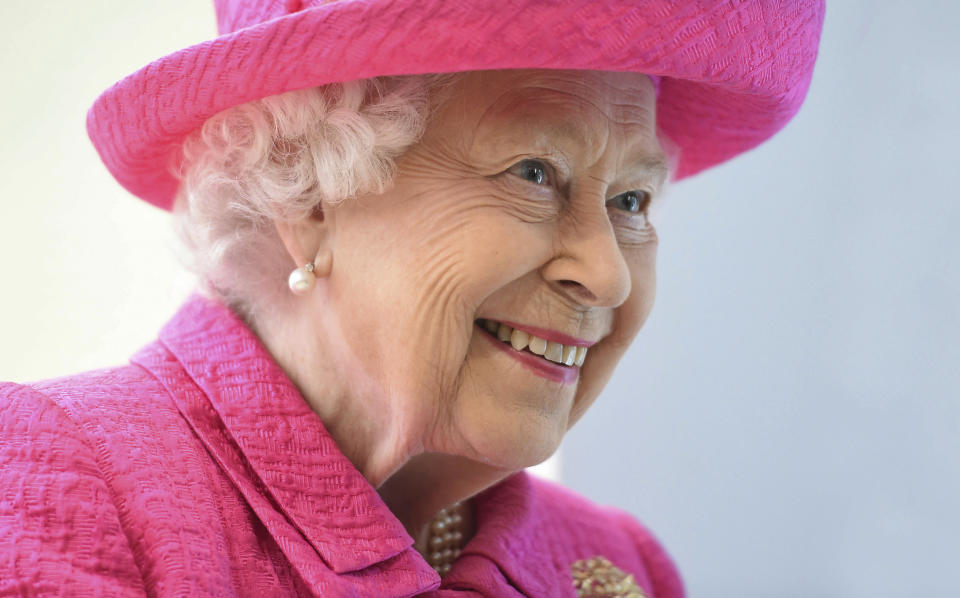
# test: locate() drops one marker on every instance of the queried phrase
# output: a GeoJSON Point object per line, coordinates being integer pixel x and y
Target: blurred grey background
{"type": "Point", "coordinates": [788, 421]}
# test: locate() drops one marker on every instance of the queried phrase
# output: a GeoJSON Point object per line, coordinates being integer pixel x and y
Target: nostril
{"type": "Point", "coordinates": [577, 288]}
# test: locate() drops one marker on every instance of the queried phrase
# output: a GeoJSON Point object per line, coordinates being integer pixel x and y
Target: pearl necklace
{"type": "Point", "coordinates": [446, 538]}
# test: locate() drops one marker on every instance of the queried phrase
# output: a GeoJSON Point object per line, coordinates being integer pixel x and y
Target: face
{"type": "Point", "coordinates": [524, 203]}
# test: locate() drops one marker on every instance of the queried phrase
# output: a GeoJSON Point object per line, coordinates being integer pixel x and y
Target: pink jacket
{"type": "Point", "coordinates": [199, 470]}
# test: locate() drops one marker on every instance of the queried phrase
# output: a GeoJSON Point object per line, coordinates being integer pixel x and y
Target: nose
{"type": "Point", "coordinates": [589, 265]}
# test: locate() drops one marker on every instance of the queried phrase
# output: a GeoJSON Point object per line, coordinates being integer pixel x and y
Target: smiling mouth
{"type": "Point", "coordinates": [563, 355]}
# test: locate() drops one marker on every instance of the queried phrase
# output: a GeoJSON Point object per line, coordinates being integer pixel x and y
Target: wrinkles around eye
{"type": "Point", "coordinates": [529, 202]}
{"type": "Point", "coordinates": [638, 233]}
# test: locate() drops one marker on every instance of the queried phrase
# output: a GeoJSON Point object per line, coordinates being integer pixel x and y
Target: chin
{"type": "Point", "coordinates": [505, 416]}
{"type": "Point", "coordinates": [512, 439]}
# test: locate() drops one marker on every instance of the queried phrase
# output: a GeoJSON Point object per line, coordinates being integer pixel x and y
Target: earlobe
{"type": "Point", "coordinates": [301, 239]}
{"type": "Point", "coordinates": [323, 263]}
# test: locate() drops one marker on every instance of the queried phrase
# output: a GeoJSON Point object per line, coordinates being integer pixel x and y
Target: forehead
{"type": "Point", "coordinates": [590, 112]}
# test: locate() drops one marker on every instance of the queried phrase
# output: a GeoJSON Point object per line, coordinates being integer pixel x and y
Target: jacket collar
{"type": "Point", "coordinates": [252, 408]}
{"type": "Point", "coordinates": [515, 535]}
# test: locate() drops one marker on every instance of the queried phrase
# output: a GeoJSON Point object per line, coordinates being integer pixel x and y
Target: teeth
{"type": "Point", "coordinates": [538, 345]}
{"type": "Point", "coordinates": [519, 340]}
{"type": "Point", "coordinates": [568, 355]}
{"type": "Point", "coordinates": [581, 355]}
{"type": "Point", "coordinates": [554, 352]}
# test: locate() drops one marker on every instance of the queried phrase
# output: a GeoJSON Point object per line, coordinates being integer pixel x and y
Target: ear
{"type": "Point", "coordinates": [309, 240]}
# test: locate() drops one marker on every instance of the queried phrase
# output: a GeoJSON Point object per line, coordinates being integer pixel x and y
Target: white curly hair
{"type": "Point", "coordinates": [277, 159]}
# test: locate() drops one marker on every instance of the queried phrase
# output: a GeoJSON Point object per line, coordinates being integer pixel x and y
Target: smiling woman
{"type": "Point", "coordinates": [411, 287]}
{"type": "Point", "coordinates": [488, 242]}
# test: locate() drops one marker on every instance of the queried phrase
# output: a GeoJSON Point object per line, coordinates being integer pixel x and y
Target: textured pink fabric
{"type": "Point", "coordinates": [734, 71]}
{"type": "Point", "coordinates": [199, 470]}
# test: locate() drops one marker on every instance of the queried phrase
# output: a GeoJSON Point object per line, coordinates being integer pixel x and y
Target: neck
{"type": "Point", "coordinates": [429, 482]}
{"type": "Point", "coordinates": [382, 444]}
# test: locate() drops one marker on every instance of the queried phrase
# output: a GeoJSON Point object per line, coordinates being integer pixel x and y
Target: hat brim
{"type": "Point", "coordinates": [733, 73]}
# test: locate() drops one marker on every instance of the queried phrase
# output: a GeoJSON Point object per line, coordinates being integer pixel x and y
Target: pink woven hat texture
{"type": "Point", "coordinates": [733, 72]}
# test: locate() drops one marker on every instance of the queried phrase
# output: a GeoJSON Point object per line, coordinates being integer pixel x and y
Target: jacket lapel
{"type": "Point", "coordinates": [275, 449]}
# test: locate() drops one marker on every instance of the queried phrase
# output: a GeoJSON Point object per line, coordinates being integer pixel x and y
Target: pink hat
{"type": "Point", "coordinates": [733, 71]}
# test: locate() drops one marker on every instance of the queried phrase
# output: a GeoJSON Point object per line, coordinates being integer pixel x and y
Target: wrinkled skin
{"type": "Point", "coordinates": [385, 347]}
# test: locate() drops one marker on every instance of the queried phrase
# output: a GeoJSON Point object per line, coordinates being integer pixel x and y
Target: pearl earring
{"type": "Point", "coordinates": [302, 279]}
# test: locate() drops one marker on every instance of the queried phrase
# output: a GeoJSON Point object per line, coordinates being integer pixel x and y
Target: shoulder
{"type": "Point", "coordinates": [106, 415]}
{"type": "Point", "coordinates": [122, 419]}
{"type": "Point", "coordinates": [611, 530]}
{"type": "Point", "coordinates": [28, 417]}
{"type": "Point", "coordinates": [59, 527]}
{"type": "Point", "coordinates": [103, 403]}
{"type": "Point", "coordinates": [122, 415]}
{"type": "Point", "coordinates": [100, 391]}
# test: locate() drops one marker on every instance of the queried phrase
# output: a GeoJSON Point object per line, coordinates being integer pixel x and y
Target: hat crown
{"type": "Point", "coordinates": [233, 15]}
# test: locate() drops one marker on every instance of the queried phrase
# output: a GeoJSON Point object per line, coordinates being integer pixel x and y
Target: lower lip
{"type": "Point", "coordinates": [536, 364]}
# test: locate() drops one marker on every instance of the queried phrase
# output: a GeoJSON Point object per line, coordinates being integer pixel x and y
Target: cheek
{"type": "Point", "coordinates": [630, 317]}
{"type": "Point", "coordinates": [628, 320]}
{"type": "Point", "coordinates": [643, 267]}
{"type": "Point", "coordinates": [429, 260]}
{"type": "Point", "coordinates": [473, 238]}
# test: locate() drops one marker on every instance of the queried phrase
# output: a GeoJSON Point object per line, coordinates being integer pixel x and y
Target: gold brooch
{"type": "Point", "coordinates": [598, 578]}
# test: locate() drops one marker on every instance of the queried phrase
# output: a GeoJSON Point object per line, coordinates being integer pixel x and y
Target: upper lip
{"type": "Point", "coordinates": [547, 334]}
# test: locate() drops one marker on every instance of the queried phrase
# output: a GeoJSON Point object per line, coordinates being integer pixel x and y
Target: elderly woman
{"type": "Point", "coordinates": [413, 284]}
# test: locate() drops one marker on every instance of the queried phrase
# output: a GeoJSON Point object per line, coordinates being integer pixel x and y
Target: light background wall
{"type": "Point", "coordinates": [788, 421]}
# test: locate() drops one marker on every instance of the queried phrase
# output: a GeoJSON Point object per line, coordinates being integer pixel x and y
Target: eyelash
{"type": "Point", "coordinates": [547, 170]}
{"type": "Point", "coordinates": [547, 177]}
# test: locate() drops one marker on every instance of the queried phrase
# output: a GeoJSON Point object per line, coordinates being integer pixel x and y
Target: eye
{"type": "Point", "coordinates": [534, 171]}
{"type": "Point", "coordinates": [631, 201]}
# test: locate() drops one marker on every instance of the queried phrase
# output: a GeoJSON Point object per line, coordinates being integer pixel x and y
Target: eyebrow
{"type": "Point", "coordinates": [653, 169]}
